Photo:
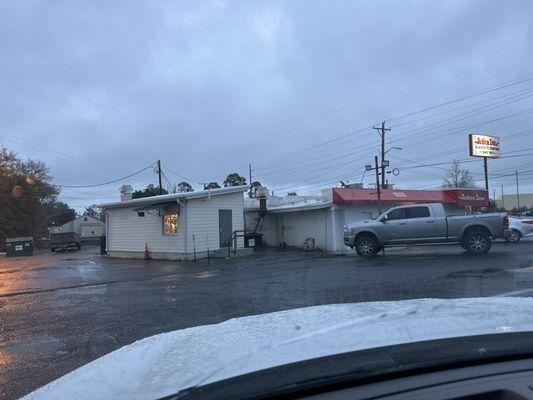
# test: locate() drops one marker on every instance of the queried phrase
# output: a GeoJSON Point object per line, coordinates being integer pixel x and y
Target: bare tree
{"type": "Point", "coordinates": [457, 177]}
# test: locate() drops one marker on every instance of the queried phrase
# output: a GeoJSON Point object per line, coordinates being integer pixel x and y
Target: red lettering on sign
{"type": "Point", "coordinates": [487, 142]}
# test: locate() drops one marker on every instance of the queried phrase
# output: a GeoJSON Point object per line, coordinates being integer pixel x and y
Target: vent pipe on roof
{"type": "Point", "coordinates": [125, 192]}
{"type": "Point", "coordinates": [262, 195]}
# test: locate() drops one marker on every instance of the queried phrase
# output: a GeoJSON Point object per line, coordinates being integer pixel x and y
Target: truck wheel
{"type": "Point", "coordinates": [366, 246]}
{"type": "Point", "coordinates": [515, 236]}
{"type": "Point", "coordinates": [477, 242]}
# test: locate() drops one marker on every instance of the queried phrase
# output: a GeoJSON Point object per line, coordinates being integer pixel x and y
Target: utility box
{"type": "Point", "coordinates": [19, 246]}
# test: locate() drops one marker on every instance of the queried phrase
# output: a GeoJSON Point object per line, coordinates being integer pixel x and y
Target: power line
{"type": "Point", "coordinates": [457, 100]}
{"type": "Point", "coordinates": [336, 156]}
{"type": "Point", "coordinates": [167, 181]}
{"type": "Point", "coordinates": [107, 183]}
{"type": "Point", "coordinates": [446, 152]}
{"type": "Point", "coordinates": [481, 93]}
{"type": "Point", "coordinates": [183, 177]}
{"type": "Point", "coordinates": [52, 152]}
{"type": "Point", "coordinates": [523, 112]}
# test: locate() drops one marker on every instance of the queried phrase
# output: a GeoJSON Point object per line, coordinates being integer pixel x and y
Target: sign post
{"type": "Point", "coordinates": [484, 146]}
{"type": "Point", "coordinates": [486, 169]}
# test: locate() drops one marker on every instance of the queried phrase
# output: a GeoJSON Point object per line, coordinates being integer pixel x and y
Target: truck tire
{"type": "Point", "coordinates": [366, 246]}
{"type": "Point", "coordinates": [515, 236]}
{"type": "Point", "coordinates": [477, 242]}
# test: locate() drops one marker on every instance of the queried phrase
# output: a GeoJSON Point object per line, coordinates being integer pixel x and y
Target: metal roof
{"type": "Point", "coordinates": [174, 197]}
{"type": "Point", "coordinates": [300, 207]}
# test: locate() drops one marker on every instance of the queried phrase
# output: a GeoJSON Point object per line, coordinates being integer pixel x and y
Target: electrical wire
{"type": "Point", "coordinates": [183, 177]}
{"type": "Point", "coordinates": [481, 93]}
{"type": "Point", "coordinates": [108, 182]}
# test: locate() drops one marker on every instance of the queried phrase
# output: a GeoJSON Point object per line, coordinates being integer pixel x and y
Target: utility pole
{"type": "Point", "coordinates": [250, 176]}
{"type": "Point", "coordinates": [159, 173]}
{"type": "Point", "coordinates": [381, 130]}
{"type": "Point", "coordinates": [517, 192]}
{"type": "Point", "coordinates": [377, 183]}
{"type": "Point", "coordinates": [503, 200]}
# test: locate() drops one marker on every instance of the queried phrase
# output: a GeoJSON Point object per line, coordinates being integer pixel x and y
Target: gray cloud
{"type": "Point", "coordinates": [210, 86]}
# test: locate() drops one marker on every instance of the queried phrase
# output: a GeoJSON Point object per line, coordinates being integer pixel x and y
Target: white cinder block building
{"type": "Point", "coordinates": [175, 226]}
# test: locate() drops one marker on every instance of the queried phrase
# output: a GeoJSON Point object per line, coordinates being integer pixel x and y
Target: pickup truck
{"type": "Point", "coordinates": [64, 241]}
{"type": "Point", "coordinates": [425, 224]}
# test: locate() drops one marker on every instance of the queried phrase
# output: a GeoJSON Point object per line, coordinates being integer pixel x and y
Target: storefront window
{"type": "Point", "coordinates": [170, 224]}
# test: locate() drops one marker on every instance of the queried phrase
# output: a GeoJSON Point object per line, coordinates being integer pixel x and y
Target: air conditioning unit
{"type": "Point", "coordinates": [309, 244]}
{"type": "Point", "coordinates": [355, 185]}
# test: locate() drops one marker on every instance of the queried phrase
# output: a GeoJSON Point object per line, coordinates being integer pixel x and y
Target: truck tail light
{"type": "Point", "coordinates": [529, 222]}
{"type": "Point", "coordinates": [506, 221]}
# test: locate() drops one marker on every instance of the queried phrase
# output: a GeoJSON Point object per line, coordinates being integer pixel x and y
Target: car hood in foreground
{"type": "Point", "coordinates": [164, 364]}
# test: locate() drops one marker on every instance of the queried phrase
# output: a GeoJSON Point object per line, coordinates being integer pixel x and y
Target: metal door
{"type": "Point", "coordinates": [225, 227]}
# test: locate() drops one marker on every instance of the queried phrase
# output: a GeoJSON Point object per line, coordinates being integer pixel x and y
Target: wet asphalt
{"type": "Point", "coordinates": [59, 311]}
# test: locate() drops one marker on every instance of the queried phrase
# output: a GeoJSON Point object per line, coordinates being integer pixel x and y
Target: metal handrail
{"type": "Point", "coordinates": [235, 235]}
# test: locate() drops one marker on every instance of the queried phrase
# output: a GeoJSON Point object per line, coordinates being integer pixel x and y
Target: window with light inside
{"type": "Point", "coordinates": [170, 224]}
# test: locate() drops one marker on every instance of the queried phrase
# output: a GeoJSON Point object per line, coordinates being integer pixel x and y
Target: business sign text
{"type": "Point", "coordinates": [484, 146]}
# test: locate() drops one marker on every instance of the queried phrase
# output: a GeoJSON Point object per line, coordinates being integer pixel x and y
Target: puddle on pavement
{"type": "Point", "coordinates": [478, 273]}
{"type": "Point", "coordinates": [204, 275]}
{"type": "Point", "coordinates": [29, 348]}
{"type": "Point", "coordinates": [5, 357]}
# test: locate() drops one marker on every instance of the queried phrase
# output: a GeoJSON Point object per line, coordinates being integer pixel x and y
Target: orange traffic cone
{"type": "Point", "coordinates": [146, 252]}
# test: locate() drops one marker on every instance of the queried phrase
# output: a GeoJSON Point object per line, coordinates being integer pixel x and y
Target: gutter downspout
{"type": "Point", "coordinates": [107, 237]}
{"type": "Point", "coordinates": [185, 224]}
{"type": "Point", "coordinates": [333, 228]}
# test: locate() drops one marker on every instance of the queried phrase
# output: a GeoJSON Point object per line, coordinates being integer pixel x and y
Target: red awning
{"type": "Point", "coordinates": [469, 197]}
{"type": "Point", "coordinates": [345, 195]}
{"type": "Point", "coordinates": [461, 197]}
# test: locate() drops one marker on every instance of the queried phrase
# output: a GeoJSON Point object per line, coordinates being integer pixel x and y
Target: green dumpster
{"type": "Point", "coordinates": [19, 246]}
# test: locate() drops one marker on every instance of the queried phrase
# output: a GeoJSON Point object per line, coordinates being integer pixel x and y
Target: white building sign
{"type": "Point", "coordinates": [484, 146]}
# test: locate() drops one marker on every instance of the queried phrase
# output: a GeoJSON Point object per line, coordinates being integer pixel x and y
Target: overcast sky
{"type": "Point", "coordinates": [101, 89]}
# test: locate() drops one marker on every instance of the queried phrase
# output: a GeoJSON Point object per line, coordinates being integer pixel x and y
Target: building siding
{"type": "Point", "coordinates": [82, 227]}
{"type": "Point", "coordinates": [510, 201]}
{"type": "Point", "coordinates": [202, 220]}
{"type": "Point", "coordinates": [295, 227]}
{"type": "Point", "coordinates": [128, 232]}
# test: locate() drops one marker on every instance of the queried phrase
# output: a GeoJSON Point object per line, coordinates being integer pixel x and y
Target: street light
{"type": "Point", "coordinates": [393, 148]}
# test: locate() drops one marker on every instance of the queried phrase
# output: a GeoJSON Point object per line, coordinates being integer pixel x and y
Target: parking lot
{"type": "Point", "coordinates": [60, 311]}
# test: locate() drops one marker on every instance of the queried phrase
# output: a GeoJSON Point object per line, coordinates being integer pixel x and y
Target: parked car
{"type": "Point", "coordinates": [64, 241]}
{"type": "Point", "coordinates": [423, 224]}
{"type": "Point", "coordinates": [520, 227]}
